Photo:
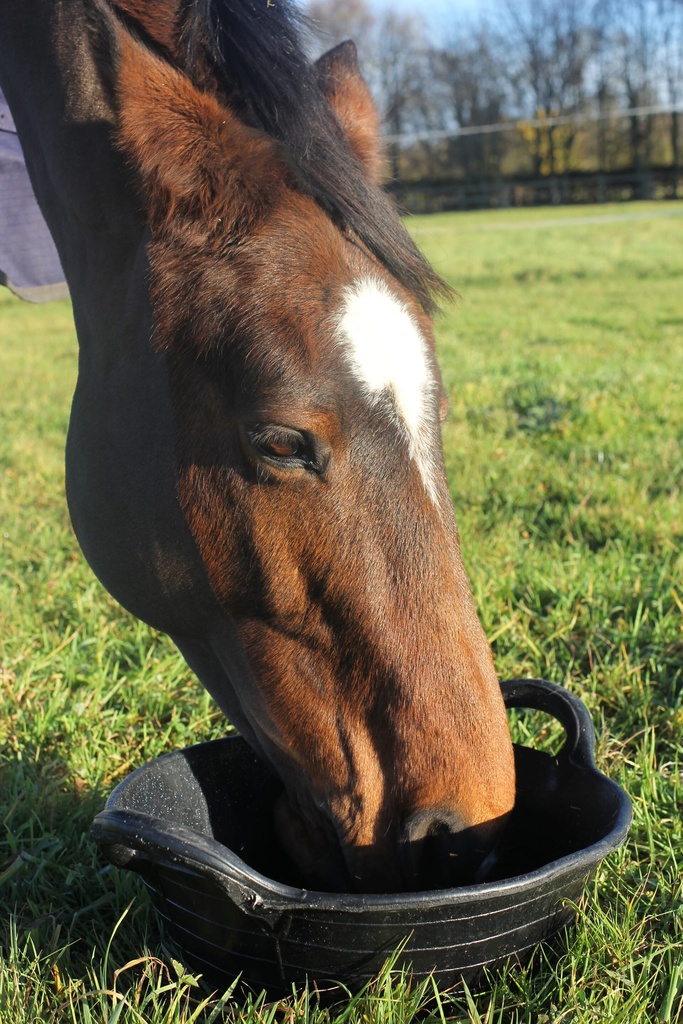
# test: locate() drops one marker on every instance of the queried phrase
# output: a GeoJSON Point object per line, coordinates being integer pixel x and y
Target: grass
{"type": "Point", "coordinates": [564, 363]}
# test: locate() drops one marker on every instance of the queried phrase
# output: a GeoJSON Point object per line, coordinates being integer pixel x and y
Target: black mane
{"type": "Point", "coordinates": [257, 52]}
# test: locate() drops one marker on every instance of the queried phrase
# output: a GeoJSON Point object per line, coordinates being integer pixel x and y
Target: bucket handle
{"type": "Point", "coordinates": [139, 841]}
{"type": "Point", "coordinates": [540, 695]}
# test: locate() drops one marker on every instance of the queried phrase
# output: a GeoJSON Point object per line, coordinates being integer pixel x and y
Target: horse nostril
{"type": "Point", "coordinates": [439, 849]}
{"type": "Point", "coordinates": [431, 822]}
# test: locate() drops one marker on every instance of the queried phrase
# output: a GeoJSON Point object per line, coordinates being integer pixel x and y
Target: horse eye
{"type": "Point", "coordinates": [282, 449]}
{"type": "Point", "coordinates": [286, 447]}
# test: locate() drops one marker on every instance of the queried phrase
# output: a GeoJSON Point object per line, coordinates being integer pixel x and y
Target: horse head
{"type": "Point", "coordinates": [292, 315]}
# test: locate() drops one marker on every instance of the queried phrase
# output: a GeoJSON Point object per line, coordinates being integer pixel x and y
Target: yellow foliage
{"type": "Point", "coordinates": [551, 142]}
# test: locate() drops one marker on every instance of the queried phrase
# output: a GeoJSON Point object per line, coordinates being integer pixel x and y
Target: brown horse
{"type": "Point", "coordinates": [254, 459]}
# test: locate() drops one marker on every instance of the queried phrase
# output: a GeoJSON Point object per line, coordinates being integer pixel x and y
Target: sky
{"type": "Point", "coordinates": [436, 13]}
{"type": "Point", "coordinates": [432, 9]}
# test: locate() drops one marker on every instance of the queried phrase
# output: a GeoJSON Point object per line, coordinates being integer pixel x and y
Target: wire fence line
{"type": "Point", "coordinates": [440, 135]}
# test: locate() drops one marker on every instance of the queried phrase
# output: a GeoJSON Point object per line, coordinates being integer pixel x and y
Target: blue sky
{"type": "Point", "coordinates": [432, 9]}
{"type": "Point", "coordinates": [436, 13]}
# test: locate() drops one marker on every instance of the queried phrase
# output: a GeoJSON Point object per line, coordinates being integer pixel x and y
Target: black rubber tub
{"type": "Point", "coordinates": [196, 825]}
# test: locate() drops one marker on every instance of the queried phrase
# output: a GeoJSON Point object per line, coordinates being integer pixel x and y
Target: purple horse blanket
{"type": "Point", "coordinates": [29, 264]}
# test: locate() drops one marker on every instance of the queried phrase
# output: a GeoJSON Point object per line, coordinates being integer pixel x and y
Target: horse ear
{"type": "Point", "coordinates": [349, 96]}
{"type": "Point", "coordinates": [194, 156]}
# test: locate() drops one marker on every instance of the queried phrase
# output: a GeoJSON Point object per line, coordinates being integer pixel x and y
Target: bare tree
{"type": "Point", "coordinates": [605, 74]}
{"type": "Point", "coordinates": [401, 53]}
{"type": "Point", "coordinates": [392, 54]}
{"type": "Point", "coordinates": [535, 59]}
{"type": "Point", "coordinates": [334, 21]}
{"type": "Point", "coordinates": [637, 43]}
{"type": "Point", "coordinates": [551, 46]}
{"type": "Point", "coordinates": [470, 74]}
{"type": "Point", "coordinates": [671, 18]}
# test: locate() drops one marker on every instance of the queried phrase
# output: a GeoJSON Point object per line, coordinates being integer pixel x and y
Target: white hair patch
{"type": "Point", "coordinates": [387, 353]}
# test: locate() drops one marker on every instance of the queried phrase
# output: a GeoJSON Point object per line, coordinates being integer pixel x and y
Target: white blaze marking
{"type": "Point", "coordinates": [388, 355]}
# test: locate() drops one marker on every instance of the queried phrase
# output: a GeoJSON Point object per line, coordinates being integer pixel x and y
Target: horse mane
{"type": "Point", "coordinates": [257, 59]}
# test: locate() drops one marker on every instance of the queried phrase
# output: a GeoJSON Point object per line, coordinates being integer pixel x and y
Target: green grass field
{"type": "Point", "coordinates": [564, 361]}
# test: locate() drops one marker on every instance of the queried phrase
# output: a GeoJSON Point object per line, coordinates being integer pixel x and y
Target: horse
{"type": "Point", "coordinates": [254, 462]}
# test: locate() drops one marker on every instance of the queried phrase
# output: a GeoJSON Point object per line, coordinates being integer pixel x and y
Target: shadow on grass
{"type": "Point", "coordinates": [56, 892]}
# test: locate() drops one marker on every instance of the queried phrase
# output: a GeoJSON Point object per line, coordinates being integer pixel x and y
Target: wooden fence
{"type": "Point", "coordinates": [439, 196]}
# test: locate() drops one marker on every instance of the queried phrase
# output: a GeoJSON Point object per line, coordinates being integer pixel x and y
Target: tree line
{"type": "Point", "coordinates": [525, 87]}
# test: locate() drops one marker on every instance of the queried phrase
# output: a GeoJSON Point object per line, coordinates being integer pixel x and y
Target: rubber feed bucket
{"type": "Point", "coordinates": [196, 825]}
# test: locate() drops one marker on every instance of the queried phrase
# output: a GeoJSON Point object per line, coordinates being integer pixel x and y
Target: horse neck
{"type": "Point", "coordinates": [64, 117]}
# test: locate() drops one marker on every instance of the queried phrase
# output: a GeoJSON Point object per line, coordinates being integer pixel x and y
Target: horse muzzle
{"type": "Point", "coordinates": [439, 850]}
{"type": "Point", "coordinates": [434, 849]}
